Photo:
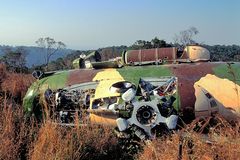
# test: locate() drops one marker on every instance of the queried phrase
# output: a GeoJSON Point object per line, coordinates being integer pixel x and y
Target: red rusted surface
{"type": "Point", "coordinates": [81, 76]}
{"type": "Point", "coordinates": [187, 75]}
{"type": "Point", "coordinates": [167, 53]}
{"type": "Point", "coordinates": [150, 55]}
{"type": "Point", "coordinates": [132, 56]}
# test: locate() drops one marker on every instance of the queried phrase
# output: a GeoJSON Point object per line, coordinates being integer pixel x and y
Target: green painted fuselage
{"type": "Point", "coordinates": [187, 74]}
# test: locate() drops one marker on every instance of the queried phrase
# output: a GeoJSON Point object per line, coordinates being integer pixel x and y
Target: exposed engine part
{"type": "Point", "coordinates": [122, 124]}
{"type": "Point", "coordinates": [139, 132]}
{"type": "Point", "coordinates": [169, 87]}
{"type": "Point", "coordinates": [66, 104]}
{"type": "Point", "coordinates": [121, 87]}
{"type": "Point", "coordinates": [129, 95]}
{"type": "Point", "coordinates": [146, 114]}
{"type": "Point", "coordinates": [163, 87]}
{"type": "Point", "coordinates": [166, 107]}
{"type": "Point", "coordinates": [171, 121]}
{"type": "Point", "coordinates": [136, 117]}
{"type": "Point", "coordinates": [104, 103]}
{"type": "Point", "coordinates": [113, 107]}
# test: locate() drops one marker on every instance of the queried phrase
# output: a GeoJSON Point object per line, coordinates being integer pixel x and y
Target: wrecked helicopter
{"type": "Point", "coordinates": [140, 92]}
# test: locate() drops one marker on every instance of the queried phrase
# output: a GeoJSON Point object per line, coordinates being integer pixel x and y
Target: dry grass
{"type": "Point", "coordinates": [14, 84]}
{"type": "Point", "coordinates": [220, 145]}
{"type": "Point", "coordinates": [92, 142]}
{"type": "Point", "coordinates": [2, 72]}
{"type": "Point", "coordinates": [24, 139]}
{"type": "Point", "coordinates": [15, 132]}
{"type": "Point", "coordinates": [21, 138]}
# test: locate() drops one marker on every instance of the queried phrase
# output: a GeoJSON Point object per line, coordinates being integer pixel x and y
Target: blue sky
{"type": "Point", "coordinates": [90, 24]}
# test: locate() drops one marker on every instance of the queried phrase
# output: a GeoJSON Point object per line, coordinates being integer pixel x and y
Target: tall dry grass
{"type": "Point", "coordinates": [25, 139]}
{"type": "Point", "coordinates": [2, 72]}
{"type": "Point", "coordinates": [88, 142]}
{"type": "Point", "coordinates": [222, 144]}
{"type": "Point", "coordinates": [14, 85]}
{"type": "Point", "coordinates": [22, 138]}
{"type": "Point", "coordinates": [16, 134]}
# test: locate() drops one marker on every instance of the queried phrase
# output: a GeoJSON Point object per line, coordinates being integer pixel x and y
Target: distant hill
{"type": "Point", "coordinates": [35, 55]}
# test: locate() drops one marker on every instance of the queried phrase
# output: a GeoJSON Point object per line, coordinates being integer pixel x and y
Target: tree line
{"type": "Point", "coordinates": [15, 59]}
{"type": "Point", "coordinates": [218, 53]}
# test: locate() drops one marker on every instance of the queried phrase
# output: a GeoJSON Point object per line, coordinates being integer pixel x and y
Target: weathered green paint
{"type": "Point", "coordinates": [58, 80]}
{"type": "Point", "coordinates": [28, 100]}
{"type": "Point", "coordinates": [55, 81]}
{"type": "Point", "coordinates": [133, 74]}
{"type": "Point", "coordinates": [229, 71]}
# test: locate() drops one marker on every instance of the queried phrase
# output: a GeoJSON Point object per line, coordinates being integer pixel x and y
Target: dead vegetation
{"type": "Point", "coordinates": [92, 142]}
{"type": "Point", "coordinates": [25, 139]}
{"type": "Point", "coordinates": [221, 142]}
{"type": "Point", "coordinates": [14, 85]}
{"type": "Point", "coordinates": [21, 138]}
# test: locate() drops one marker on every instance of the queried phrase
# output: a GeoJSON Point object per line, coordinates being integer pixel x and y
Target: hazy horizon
{"type": "Point", "coordinates": [94, 24]}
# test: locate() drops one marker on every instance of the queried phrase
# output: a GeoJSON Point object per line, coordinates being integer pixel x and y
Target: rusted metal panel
{"type": "Point", "coordinates": [187, 76]}
{"type": "Point", "coordinates": [132, 56]}
{"type": "Point", "coordinates": [168, 54]}
{"type": "Point", "coordinates": [81, 76]}
{"type": "Point", "coordinates": [150, 55]}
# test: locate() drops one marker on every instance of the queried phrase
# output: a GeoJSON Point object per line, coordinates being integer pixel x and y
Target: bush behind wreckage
{"type": "Point", "coordinates": [140, 92]}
